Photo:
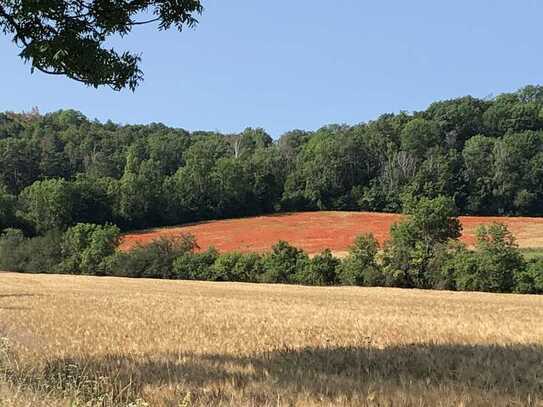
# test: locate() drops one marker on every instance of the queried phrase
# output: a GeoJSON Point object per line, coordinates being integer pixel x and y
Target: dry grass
{"type": "Point", "coordinates": [106, 341]}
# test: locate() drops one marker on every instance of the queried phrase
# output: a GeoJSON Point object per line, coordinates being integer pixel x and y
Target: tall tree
{"type": "Point", "coordinates": [69, 37]}
{"type": "Point", "coordinates": [47, 205]}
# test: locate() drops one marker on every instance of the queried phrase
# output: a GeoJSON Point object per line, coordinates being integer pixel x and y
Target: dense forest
{"type": "Point", "coordinates": [60, 169]}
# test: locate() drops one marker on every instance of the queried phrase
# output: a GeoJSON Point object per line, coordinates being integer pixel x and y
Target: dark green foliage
{"type": "Point", "coordinates": [195, 266]}
{"type": "Point", "coordinates": [459, 119]}
{"type": "Point", "coordinates": [20, 161]}
{"type": "Point", "coordinates": [93, 200]}
{"type": "Point", "coordinates": [360, 267]}
{"type": "Point", "coordinates": [11, 243]}
{"type": "Point", "coordinates": [87, 248]}
{"type": "Point", "coordinates": [7, 208]}
{"type": "Point", "coordinates": [530, 281]}
{"type": "Point", "coordinates": [283, 264]}
{"type": "Point", "coordinates": [420, 135]}
{"type": "Point", "coordinates": [449, 264]}
{"type": "Point", "coordinates": [319, 270]}
{"type": "Point", "coordinates": [478, 157]}
{"type": "Point", "coordinates": [459, 156]}
{"type": "Point", "coordinates": [495, 265]}
{"type": "Point", "coordinates": [71, 37]}
{"type": "Point", "coordinates": [414, 242]}
{"type": "Point", "coordinates": [499, 258]}
{"type": "Point", "coordinates": [465, 267]}
{"type": "Point", "coordinates": [237, 267]}
{"type": "Point", "coordinates": [155, 260]}
{"type": "Point", "coordinates": [148, 176]}
{"type": "Point", "coordinates": [40, 254]}
{"type": "Point", "coordinates": [47, 205]}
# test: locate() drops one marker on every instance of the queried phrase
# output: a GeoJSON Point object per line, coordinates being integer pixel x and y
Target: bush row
{"type": "Point", "coordinates": [496, 265]}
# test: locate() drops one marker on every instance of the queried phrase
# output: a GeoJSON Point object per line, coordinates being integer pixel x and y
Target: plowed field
{"type": "Point", "coordinates": [315, 231]}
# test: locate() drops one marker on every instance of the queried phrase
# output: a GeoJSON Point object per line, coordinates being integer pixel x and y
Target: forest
{"type": "Point", "coordinates": [61, 168]}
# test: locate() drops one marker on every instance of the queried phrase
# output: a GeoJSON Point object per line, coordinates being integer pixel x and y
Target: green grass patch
{"type": "Point", "coordinates": [531, 253]}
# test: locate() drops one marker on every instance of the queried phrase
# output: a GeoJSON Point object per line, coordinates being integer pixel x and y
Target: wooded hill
{"type": "Point", "coordinates": [60, 169]}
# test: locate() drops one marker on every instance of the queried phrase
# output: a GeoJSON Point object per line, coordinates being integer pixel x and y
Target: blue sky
{"type": "Point", "coordinates": [301, 64]}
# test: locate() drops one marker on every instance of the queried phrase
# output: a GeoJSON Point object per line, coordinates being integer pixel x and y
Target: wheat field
{"type": "Point", "coordinates": [88, 341]}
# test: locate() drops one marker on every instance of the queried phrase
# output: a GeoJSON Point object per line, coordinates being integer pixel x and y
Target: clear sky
{"type": "Point", "coordinates": [288, 64]}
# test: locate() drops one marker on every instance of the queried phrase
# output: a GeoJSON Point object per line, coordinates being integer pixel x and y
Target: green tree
{"type": "Point", "coordinates": [232, 188]}
{"type": "Point", "coordinates": [250, 140]}
{"type": "Point", "coordinates": [69, 37]}
{"type": "Point", "coordinates": [530, 280]}
{"type": "Point", "coordinates": [332, 163]}
{"type": "Point", "coordinates": [458, 119]}
{"type": "Point", "coordinates": [47, 205]}
{"type": "Point", "coordinates": [235, 266]}
{"type": "Point", "coordinates": [195, 266]}
{"type": "Point", "coordinates": [419, 135]}
{"type": "Point", "coordinates": [360, 267]}
{"type": "Point", "coordinates": [320, 270]}
{"type": "Point", "coordinates": [499, 258]}
{"type": "Point", "coordinates": [514, 112]}
{"type": "Point", "coordinates": [139, 192]}
{"type": "Point", "coordinates": [86, 248]}
{"type": "Point", "coordinates": [516, 178]}
{"type": "Point", "coordinates": [20, 163]}
{"type": "Point", "coordinates": [414, 242]}
{"type": "Point", "coordinates": [283, 263]}
{"type": "Point", "coordinates": [496, 264]}
{"type": "Point", "coordinates": [478, 155]}
{"type": "Point", "coordinates": [266, 172]}
{"type": "Point", "coordinates": [192, 190]}
{"type": "Point", "coordinates": [439, 174]}
{"type": "Point", "coordinates": [155, 260]}
{"type": "Point", "coordinates": [7, 208]}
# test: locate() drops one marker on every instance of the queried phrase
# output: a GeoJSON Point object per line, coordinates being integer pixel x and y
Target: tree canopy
{"type": "Point", "coordinates": [68, 37]}
{"type": "Point", "coordinates": [61, 168]}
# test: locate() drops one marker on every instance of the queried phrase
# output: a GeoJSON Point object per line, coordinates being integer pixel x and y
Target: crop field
{"type": "Point", "coordinates": [315, 231]}
{"type": "Point", "coordinates": [100, 341]}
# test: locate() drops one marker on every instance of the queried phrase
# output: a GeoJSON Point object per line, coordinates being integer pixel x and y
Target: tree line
{"type": "Point", "coordinates": [60, 169]}
{"type": "Point", "coordinates": [423, 252]}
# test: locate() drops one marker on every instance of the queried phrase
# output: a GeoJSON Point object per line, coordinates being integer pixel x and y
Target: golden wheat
{"type": "Point", "coordinates": [107, 341]}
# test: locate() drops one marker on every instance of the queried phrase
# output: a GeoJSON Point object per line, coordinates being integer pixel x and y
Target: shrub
{"type": "Point", "coordinates": [248, 267]}
{"type": "Point", "coordinates": [415, 241]}
{"type": "Point", "coordinates": [443, 266]}
{"type": "Point", "coordinates": [320, 270]}
{"type": "Point", "coordinates": [283, 263]}
{"type": "Point", "coordinates": [496, 265]}
{"type": "Point", "coordinates": [195, 266]}
{"type": "Point", "coordinates": [530, 280]}
{"type": "Point", "coordinates": [7, 208]}
{"type": "Point", "coordinates": [86, 248]}
{"type": "Point", "coordinates": [10, 242]}
{"type": "Point", "coordinates": [360, 266]}
{"type": "Point", "coordinates": [236, 267]}
{"type": "Point", "coordinates": [463, 266]}
{"type": "Point", "coordinates": [155, 260]}
{"type": "Point", "coordinates": [40, 254]}
{"type": "Point", "coordinates": [499, 258]}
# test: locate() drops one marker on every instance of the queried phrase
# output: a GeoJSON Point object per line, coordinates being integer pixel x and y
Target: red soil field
{"type": "Point", "coordinates": [316, 231]}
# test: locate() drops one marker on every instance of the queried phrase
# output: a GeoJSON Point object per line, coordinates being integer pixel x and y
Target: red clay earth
{"type": "Point", "coordinates": [316, 231]}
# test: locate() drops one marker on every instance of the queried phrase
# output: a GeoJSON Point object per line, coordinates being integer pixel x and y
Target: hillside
{"type": "Point", "coordinates": [108, 341]}
{"type": "Point", "coordinates": [315, 231]}
{"type": "Point", "coordinates": [61, 169]}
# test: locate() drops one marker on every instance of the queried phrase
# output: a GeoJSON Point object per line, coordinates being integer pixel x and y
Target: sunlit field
{"type": "Point", "coordinates": [86, 341]}
{"type": "Point", "coordinates": [316, 231]}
